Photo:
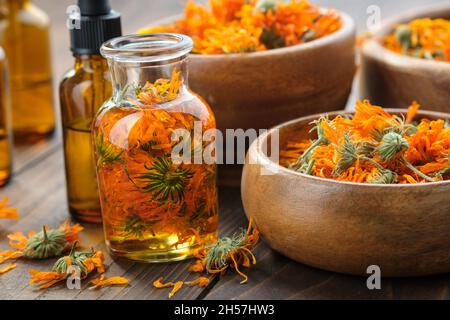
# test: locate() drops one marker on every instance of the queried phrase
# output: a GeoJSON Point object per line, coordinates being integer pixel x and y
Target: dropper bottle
{"type": "Point", "coordinates": [82, 91]}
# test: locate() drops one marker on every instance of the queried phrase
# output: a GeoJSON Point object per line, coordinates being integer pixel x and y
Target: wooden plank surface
{"type": "Point", "coordinates": [38, 191]}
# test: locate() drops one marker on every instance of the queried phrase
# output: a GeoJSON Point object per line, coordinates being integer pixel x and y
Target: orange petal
{"type": "Point", "coordinates": [71, 231]}
{"type": "Point", "coordinates": [158, 283]}
{"type": "Point", "coordinates": [8, 267]}
{"type": "Point", "coordinates": [6, 212]}
{"type": "Point", "coordinates": [201, 282]}
{"type": "Point", "coordinates": [9, 254]}
{"type": "Point", "coordinates": [176, 287]}
{"type": "Point", "coordinates": [412, 111]}
{"type": "Point", "coordinates": [48, 278]}
{"type": "Point", "coordinates": [102, 281]}
{"type": "Point", "coordinates": [17, 240]}
{"type": "Point", "coordinates": [198, 266]}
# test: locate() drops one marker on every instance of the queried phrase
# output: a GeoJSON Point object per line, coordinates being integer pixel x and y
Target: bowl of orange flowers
{"type": "Point", "coordinates": [355, 189]}
{"type": "Point", "coordinates": [408, 58]}
{"type": "Point", "coordinates": [262, 62]}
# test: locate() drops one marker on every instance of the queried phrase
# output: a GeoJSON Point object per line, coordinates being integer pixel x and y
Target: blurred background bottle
{"type": "Point", "coordinates": [5, 132]}
{"type": "Point", "coordinates": [82, 91]}
{"type": "Point", "coordinates": [24, 35]}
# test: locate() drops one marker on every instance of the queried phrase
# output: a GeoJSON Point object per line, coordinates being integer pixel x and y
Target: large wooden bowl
{"type": "Point", "coordinates": [262, 89]}
{"type": "Point", "coordinates": [346, 227]}
{"type": "Point", "coordinates": [394, 80]}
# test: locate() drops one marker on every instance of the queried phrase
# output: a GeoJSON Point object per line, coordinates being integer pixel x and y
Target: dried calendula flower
{"type": "Point", "coordinates": [47, 243]}
{"type": "Point", "coordinates": [227, 252]}
{"type": "Point", "coordinates": [7, 268]}
{"type": "Point", "coordinates": [6, 212]}
{"type": "Point", "coordinates": [102, 281]}
{"type": "Point", "coordinates": [84, 262]}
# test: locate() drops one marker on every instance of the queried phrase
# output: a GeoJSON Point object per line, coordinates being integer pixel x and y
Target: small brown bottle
{"type": "Point", "coordinates": [24, 35]}
{"type": "Point", "coordinates": [5, 134]}
{"type": "Point", "coordinates": [82, 91]}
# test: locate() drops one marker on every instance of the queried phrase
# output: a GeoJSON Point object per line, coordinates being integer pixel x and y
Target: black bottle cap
{"type": "Point", "coordinates": [94, 23]}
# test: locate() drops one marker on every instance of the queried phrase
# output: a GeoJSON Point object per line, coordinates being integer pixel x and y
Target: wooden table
{"type": "Point", "coordinates": [38, 191]}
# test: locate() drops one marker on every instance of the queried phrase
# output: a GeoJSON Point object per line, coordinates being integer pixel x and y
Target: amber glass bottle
{"type": "Point", "coordinates": [5, 136]}
{"type": "Point", "coordinates": [82, 91]}
{"type": "Point", "coordinates": [155, 206]}
{"type": "Point", "coordinates": [24, 35]}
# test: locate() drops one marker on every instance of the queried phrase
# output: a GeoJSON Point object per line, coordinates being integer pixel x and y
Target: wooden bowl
{"type": "Point", "coordinates": [262, 89]}
{"type": "Point", "coordinates": [394, 80]}
{"type": "Point", "coordinates": [342, 226]}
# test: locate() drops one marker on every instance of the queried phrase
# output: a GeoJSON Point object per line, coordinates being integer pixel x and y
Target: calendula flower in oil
{"type": "Point", "coordinates": [154, 206]}
{"type": "Point", "coordinates": [373, 146]}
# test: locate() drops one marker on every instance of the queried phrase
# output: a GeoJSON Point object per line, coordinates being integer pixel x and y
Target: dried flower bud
{"type": "Point", "coordinates": [46, 244]}
{"type": "Point", "coordinates": [392, 145]}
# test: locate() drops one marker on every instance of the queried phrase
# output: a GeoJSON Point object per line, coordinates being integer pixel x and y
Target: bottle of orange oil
{"type": "Point", "coordinates": [24, 35]}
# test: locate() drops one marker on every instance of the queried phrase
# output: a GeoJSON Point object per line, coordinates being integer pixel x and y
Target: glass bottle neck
{"type": "Point", "coordinates": [135, 75]}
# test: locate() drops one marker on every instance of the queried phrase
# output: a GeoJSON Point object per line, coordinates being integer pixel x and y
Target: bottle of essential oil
{"type": "Point", "coordinates": [5, 132]}
{"type": "Point", "coordinates": [158, 204]}
{"type": "Point", "coordinates": [24, 35]}
{"type": "Point", "coordinates": [82, 91]}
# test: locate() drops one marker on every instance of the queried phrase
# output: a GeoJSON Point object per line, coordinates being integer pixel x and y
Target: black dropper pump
{"type": "Point", "coordinates": [97, 24]}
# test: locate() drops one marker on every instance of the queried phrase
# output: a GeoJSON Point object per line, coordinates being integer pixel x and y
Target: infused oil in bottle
{"type": "Point", "coordinates": [82, 91]}
{"type": "Point", "coordinates": [155, 206]}
{"type": "Point", "coordinates": [24, 35]}
{"type": "Point", "coordinates": [5, 136]}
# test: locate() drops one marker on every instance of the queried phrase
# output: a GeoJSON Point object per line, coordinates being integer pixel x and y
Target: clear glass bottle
{"type": "Point", "coordinates": [82, 92]}
{"type": "Point", "coordinates": [154, 208]}
{"type": "Point", "coordinates": [24, 35]}
{"type": "Point", "coordinates": [5, 132]}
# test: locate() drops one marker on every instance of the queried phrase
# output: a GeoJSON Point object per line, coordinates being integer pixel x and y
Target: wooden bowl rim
{"type": "Point", "coordinates": [264, 160]}
{"type": "Point", "coordinates": [348, 29]}
{"type": "Point", "coordinates": [372, 47]}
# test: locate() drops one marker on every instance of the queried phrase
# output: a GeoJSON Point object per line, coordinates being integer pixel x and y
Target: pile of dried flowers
{"type": "Point", "coordinates": [51, 243]}
{"type": "Point", "coordinates": [373, 146]}
{"type": "Point", "coordinates": [422, 38]}
{"type": "Point", "coordinates": [227, 253]}
{"type": "Point", "coordinates": [235, 26]}
{"type": "Point", "coordinates": [7, 212]}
